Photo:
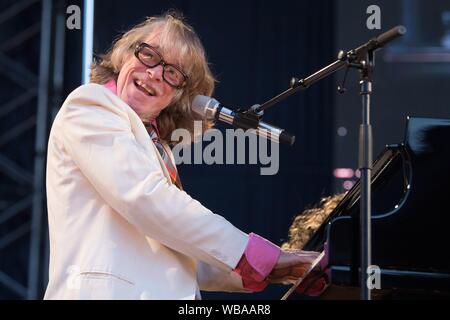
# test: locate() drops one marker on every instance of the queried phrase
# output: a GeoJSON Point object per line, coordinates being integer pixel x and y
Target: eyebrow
{"type": "Point", "coordinates": [152, 45]}
{"type": "Point", "coordinates": [163, 56]}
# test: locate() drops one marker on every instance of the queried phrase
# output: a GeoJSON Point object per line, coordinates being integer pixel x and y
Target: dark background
{"type": "Point", "coordinates": [254, 48]}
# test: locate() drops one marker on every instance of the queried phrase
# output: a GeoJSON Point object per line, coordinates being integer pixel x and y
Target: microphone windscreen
{"type": "Point", "coordinates": [200, 104]}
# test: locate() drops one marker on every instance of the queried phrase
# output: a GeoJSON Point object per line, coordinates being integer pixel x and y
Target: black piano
{"type": "Point", "coordinates": [410, 220]}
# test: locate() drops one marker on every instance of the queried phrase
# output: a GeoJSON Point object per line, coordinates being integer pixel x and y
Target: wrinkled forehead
{"type": "Point", "coordinates": [173, 49]}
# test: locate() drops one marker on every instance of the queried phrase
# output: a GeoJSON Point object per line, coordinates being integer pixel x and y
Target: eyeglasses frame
{"type": "Point", "coordinates": [161, 62]}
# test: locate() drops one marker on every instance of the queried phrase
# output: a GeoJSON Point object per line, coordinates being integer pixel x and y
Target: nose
{"type": "Point", "coordinates": [155, 73]}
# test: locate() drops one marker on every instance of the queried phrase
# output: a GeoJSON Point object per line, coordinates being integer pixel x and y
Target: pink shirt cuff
{"type": "Point", "coordinates": [258, 260]}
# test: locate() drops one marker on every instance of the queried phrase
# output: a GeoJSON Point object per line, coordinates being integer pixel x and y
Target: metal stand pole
{"type": "Point", "coordinates": [365, 167]}
{"type": "Point", "coordinates": [88, 39]}
{"type": "Point", "coordinates": [41, 143]}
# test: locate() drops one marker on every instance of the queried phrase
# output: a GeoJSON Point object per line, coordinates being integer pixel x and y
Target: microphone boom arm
{"type": "Point", "coordinates": [351, 58]}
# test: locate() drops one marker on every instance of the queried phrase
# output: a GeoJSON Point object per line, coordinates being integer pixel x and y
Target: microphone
{"type": "Point", "coordinates": [210, 109]}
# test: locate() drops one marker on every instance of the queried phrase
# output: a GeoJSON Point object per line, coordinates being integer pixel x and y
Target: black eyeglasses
{"type": "Point", "coordinates": [151, 58]}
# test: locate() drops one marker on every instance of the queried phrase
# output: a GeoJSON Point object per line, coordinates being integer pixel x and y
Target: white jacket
{"type": "Point", "coordinates": [119, 229]}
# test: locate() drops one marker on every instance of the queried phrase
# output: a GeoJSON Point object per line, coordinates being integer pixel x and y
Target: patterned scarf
{"type": "Point", "coordinates": [153, 132]}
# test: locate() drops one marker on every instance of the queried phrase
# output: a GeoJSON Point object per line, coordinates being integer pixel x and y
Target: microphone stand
{"type": "Point", "coordinates": [365, 167]}
{"type": "Point", "coordinates": [362, 59]}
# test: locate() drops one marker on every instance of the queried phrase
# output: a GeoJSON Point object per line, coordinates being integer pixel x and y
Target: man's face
{"type": "Point", "coordinates": [143, 88]}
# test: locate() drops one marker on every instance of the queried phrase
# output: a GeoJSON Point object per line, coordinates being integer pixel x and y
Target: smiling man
{"type": "Point", "coordinates": [121, 227]}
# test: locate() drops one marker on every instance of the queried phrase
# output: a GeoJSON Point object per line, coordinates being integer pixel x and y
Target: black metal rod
{"type": "Point", "coordinates": [343, 61]}
{"type": "Point", "coordinates": [379, 41]}
{"type": "Point", "coordinates": [303, 83]}
{"type": "Point", "coordinates": [365, 167]}
{"type": "Point", "coordinates": [40, 149]}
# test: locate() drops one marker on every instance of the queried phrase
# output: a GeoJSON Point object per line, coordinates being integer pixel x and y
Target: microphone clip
{"type": "Point", "coordinates": [247, 118]}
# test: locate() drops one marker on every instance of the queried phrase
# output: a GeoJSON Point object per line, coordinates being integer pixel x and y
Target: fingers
{"type": "Point", "coordinates": [314, 285]}
{"type": "Point", "coordinates": [288, 274]}
{"type": "Point", "coordinates": [293, 271]}
{"type": "Point", "coordinates": [292, 265]}
{"type": "Point", "coordinates": [295, 257]}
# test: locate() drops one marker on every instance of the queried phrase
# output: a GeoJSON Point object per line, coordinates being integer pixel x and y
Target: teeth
{"type": "Point", "coordinates": [150, 91]}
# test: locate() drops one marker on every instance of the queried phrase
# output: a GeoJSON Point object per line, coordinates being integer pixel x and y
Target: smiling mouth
{"type": "Point", "coordinates": [144, 88]}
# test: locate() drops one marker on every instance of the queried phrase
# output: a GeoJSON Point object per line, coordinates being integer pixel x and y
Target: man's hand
{"type": "Point", "coordinates": [291, 265]}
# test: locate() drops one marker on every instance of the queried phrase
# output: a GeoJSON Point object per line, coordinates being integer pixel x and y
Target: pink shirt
{"type": "Point", "coordinates": [258, 260]}
{"type": "Point", "coordinates": [260, 255]}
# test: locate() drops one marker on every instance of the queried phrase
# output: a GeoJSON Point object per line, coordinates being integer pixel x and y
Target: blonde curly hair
{"type": "Point", "coordinates": [307, 222]}
{"type": "Point", "coordinates": [178, 38]}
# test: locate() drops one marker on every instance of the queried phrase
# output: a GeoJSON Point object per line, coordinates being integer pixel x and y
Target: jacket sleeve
{"type": "Point", "coordinates": [258, 260]}
{"type": "Point", "coordinates": [97, 133]}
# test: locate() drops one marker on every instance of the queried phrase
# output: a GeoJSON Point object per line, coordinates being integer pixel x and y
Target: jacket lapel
{"type": "Point", "coordinates": [141, 134]}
